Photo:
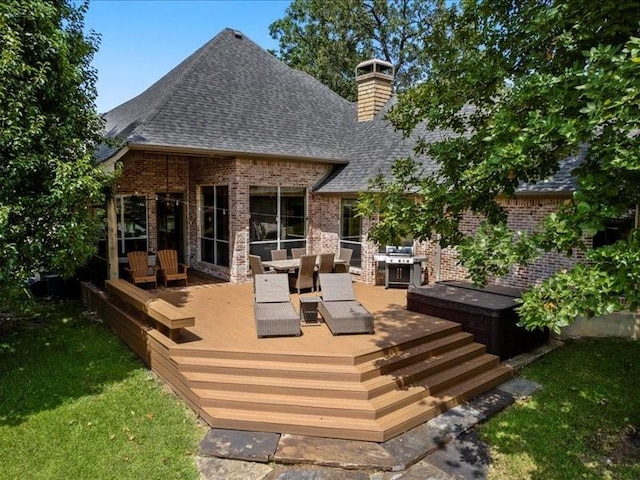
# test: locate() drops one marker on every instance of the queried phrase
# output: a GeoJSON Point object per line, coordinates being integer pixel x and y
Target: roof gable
{"type": "Point", "coordinates": [233, 96]}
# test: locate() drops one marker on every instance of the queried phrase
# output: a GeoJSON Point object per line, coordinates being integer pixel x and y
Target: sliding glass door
{"type": "Point", "coordinates": [278, 219]}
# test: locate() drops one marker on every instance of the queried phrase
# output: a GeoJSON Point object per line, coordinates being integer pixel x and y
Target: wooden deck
{"type": "Point", "coordinates": [363, 387]}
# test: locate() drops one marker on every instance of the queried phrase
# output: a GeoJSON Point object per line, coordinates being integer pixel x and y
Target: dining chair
{"type": "Point", "coordinates": [279, 254]}
{"type": "Point", "coordinates": [304, 277]}
{"type": "Point", "coordinates": [344, 254]}
{"type": "Point", "coordinates": [324, 266]}
{"type": "Point", "coordinates": [255, 264]}
{"type": "Point", "coordinates": [298, 252]}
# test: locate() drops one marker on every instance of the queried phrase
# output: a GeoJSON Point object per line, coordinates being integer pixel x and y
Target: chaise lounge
{"type": "Point", "coordinates": [273, 312]}
{"type": "Point", "coordinates": [341, 311]}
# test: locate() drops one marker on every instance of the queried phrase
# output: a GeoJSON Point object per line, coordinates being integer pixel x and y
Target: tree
{"type": "Point", "coordinates": [328, 38]}
{"type": "Point", "coordinates": [49, 127]}
{"type": "Point", "coordinates": [522, 85]}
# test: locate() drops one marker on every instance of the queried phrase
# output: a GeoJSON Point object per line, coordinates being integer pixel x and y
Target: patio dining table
{"type": "Point", "coordinates": [292, 264]}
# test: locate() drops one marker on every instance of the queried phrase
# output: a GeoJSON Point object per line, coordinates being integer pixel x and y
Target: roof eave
{"type": "Point", "coordinates": [203, 152]}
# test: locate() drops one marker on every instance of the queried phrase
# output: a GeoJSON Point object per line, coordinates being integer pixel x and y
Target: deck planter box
{"type": "Point", "coordinates": [489, 314]}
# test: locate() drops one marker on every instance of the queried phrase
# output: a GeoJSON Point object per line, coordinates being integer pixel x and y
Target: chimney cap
{"type": "Point", "coordinates": [375, 65]}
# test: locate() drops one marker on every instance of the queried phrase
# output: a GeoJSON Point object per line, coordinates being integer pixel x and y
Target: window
{"type": "Point", "coordinates": [614, 230]}
{"type": "Point", "coordinates": [131, 218]}
{"type": "Point", "coordinates": [351, 230]}
{"type": "Point", "coordinates": [278, 219]}
{"type": "Point", "coordinates": [214, 240]}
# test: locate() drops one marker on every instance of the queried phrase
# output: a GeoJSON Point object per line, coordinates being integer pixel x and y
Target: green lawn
{"type": "Point", "coordinates": [583, 424]}
{"type": "Point", "coordinates": [75, 402]}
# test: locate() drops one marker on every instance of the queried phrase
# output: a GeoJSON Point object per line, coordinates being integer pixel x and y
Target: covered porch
{"type": "Point", "coordinates": [362, 387]}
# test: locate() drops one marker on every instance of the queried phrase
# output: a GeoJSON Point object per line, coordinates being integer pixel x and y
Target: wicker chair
{"type": "Point", "coordinates": [170, 268]}
{"type": "Point", "coordinates": [341, 311]}
{"type": "Point", "coordinates": [304, 278]}
{"type": "Point", "coordinates": [273, 312]}
{"type": "Point", "coordinates": [344, 254]}
{"type": "Point", "coordinates": [279, 254]}
{"type": "Point", "coordinates": [255, 264]}
{"type": "Point", "coordinates": [298, 252]}
{"type": "Point", "coordinates": [325, 266]}
{"type": "Point", "coordinates": [140, 270]}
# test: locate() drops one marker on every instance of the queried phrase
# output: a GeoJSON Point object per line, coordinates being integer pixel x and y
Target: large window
{"type": "Point", "coordinates": [131, 218]}
{"type": "Point", "coordinates": [214, 241]}
{"type": "Point", "coordinates": [278, 219]}
{"type": "Point", "coordinates": [131, 212]}
{"type": "Point", "coordinates": [351, 230]}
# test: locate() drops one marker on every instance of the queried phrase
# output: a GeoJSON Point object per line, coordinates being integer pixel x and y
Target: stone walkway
{"type": "Point", "coordinates": [444, 448]}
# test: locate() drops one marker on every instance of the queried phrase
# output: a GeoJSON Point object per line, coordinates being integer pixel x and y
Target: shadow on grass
{"type": "Point", "coordinates": [57, 356]}
{"type": "Point", "coordinates": [589, 388]}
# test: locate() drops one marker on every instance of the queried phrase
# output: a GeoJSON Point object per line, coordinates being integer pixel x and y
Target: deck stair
{"type": "Point", "coordinates": [372, 397]}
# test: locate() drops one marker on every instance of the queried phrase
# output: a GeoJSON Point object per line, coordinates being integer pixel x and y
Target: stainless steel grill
{"type": "Point", "coordinates": [402, 268]}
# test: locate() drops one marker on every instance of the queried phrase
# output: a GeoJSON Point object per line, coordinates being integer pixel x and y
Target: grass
{"type": "Point", "coordinates": [75, 402]}
{"type": "Point", "coordinates": [583, 424]}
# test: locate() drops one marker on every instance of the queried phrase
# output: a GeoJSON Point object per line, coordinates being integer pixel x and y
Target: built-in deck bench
{"type": "Point", "coordinates": [168, 318]}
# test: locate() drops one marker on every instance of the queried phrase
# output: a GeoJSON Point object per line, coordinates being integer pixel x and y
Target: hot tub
{"type": "Point", "coordinates": [488, 313]}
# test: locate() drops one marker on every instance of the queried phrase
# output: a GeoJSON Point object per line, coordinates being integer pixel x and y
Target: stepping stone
{"type": "Point", "coordinates": [212, 468]}
{"type": "Point", "coordinates": [520, 387]}
{"type": "Point", "coordinates": [465, 458]}
{"type": "Point", "coordinates": [332, 452]}
{"type": "Point", "coordinates": [238, 445]}
{"type": "Point", "coordinates": [316, 473]}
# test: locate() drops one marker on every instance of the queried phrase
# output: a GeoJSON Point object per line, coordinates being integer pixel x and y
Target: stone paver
{"type": "Point", "coordinates": [238, 445]}
{"type": "Point", "coordinates": [420, 471]}
{"type": "Point", "coordinates": [444, 448]}
{"type": "Point", "coordinates": [315, 473]}
{"type": "Point", "coordinates": [464, 458]}
{"type": "Point", "coordinates": [332, 452]}
{"type": "Point", "coordinates": [456, 421]}
{"type": "Point", "coordinates": [492, 402]}
{"type": "Point", "coordinates": [212, 468]}
{"type": "Point", "coordinates": [520, 387]}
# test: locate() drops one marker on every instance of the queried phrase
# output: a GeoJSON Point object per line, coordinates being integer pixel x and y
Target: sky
{"type": "Point", "coordinates": [141, 40]}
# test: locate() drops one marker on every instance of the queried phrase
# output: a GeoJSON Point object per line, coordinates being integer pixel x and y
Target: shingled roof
{"type": "Point", "coordinates": [232, 97]}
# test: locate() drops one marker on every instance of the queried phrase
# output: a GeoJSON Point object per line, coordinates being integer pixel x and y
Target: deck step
{"type": "Point", "coordinates": [297, 424]}
{"type": "Point", "coordinates": [312, 370]}
{"type": "Point", "coordinates": [276, 386]}
{"type": "Point", "coordinates": [397, 421]}
{"type": "Point", "coordinates": [421, 352]}
{"type": "Point", "coordinates": [441, 364]}
{"type": "Point", "coordinates": [317, 370]}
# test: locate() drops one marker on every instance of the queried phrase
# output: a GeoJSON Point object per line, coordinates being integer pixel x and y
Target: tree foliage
{"type": "Point", "coordinates": [49, 185]}
{"type": "Point", "coordinates": [328, 38]}
{"type": "Point", "coordinates": [521, 86]}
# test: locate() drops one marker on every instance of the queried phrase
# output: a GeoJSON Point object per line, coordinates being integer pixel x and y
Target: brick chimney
{"type": "Point", "coordinates": [375, 86]}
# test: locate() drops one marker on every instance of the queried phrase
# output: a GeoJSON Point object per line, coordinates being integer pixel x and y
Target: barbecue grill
{"type": "Point", "coordinates": [402, 268]}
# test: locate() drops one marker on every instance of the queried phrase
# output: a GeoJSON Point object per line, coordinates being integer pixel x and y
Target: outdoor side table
{"type": "Point", "coordinates": [309, 310]}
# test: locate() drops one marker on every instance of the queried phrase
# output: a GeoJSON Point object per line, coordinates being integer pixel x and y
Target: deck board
{"type": "Point", "coordinates": [224, 321]}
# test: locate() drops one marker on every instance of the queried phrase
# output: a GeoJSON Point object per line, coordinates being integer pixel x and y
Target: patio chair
{"type": "Point", "coordinates": [341, 311]}
{"type": "Point", "coordinates": [170, 268]}
{"type": "Point", "coordinates": [298, 252]}
{"type": "Point", "coordinates": [139, 268]}
{"type": "Point", "coordinates": [304, 277]}
{"type": "Point", "coordinates": [272, 309]}
{"type": "Point", "coordinates": [344, 254]}
{"type": "Point", "coordinates": [255, 264]}
{"type": "Point", "coordinates": [325, 266]}
{"type": "Point", "coordinates": [279, 254]}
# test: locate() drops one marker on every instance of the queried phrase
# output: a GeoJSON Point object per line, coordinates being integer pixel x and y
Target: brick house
{"type": "Point", "coordinates": [233, 152]}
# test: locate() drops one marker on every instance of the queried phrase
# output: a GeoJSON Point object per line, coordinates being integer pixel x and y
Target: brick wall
{"type": "Point", "coordinates": [524, 215]}
{"type": "Point", "coordinates": [149, 174]}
